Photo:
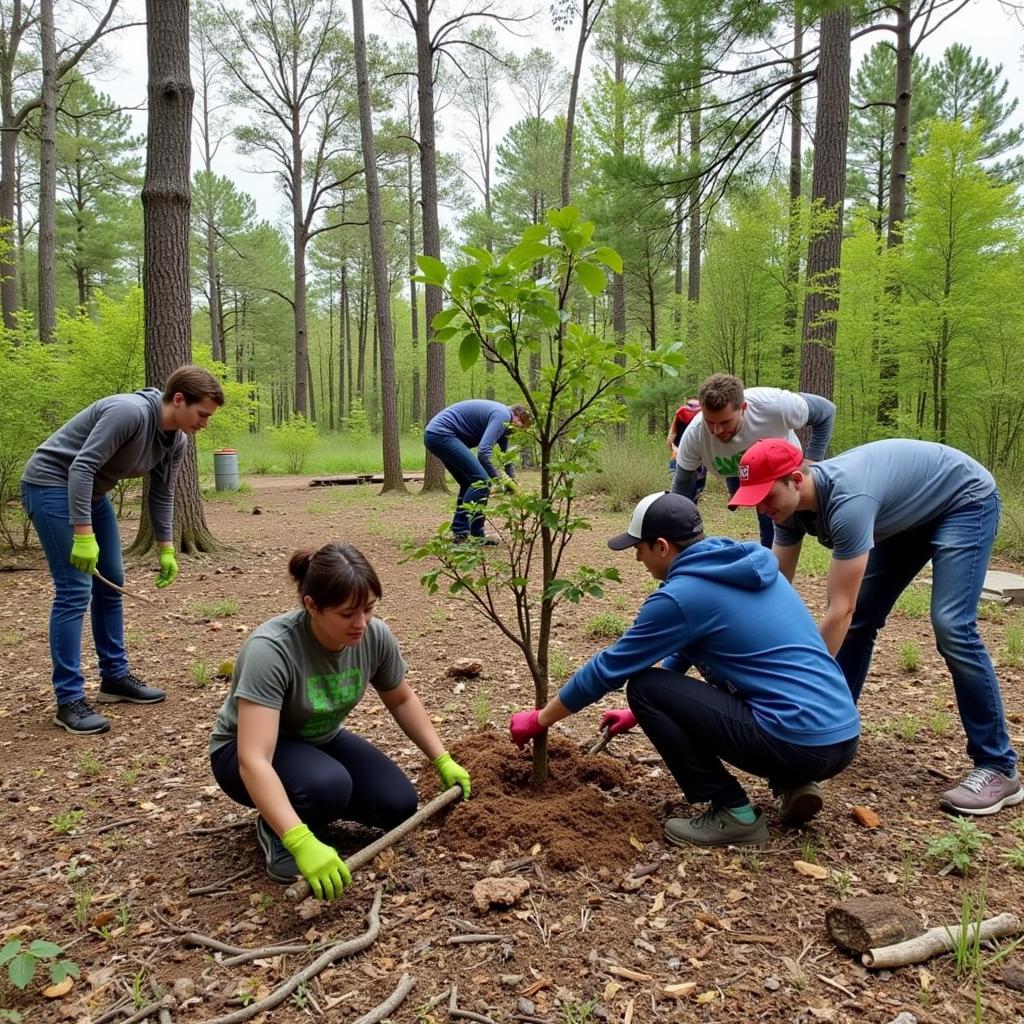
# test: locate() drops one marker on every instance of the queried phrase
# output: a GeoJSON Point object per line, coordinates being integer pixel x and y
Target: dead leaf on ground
{"type": "Point", "coordinates": [865, 816]}
{"type": "Point", "coordinates": [811, 870]}
{"type": "Point", "coordinates": [680, 990]}
{"type": "Point", "coordinates": [60, 990]}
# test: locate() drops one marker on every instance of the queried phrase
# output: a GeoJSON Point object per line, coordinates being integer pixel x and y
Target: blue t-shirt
{"type": "Point", "coordinates": [880, 489]}
{"type": "Point", "coordinates": [477, 423]}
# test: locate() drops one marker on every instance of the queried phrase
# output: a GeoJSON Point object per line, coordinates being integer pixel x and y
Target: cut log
{"type": "Point", "coordinates": [867, 921]}
{"type": "Point", "coordinates": [939, 940]}
{"type": "Point", "coordinates": [300, 890]}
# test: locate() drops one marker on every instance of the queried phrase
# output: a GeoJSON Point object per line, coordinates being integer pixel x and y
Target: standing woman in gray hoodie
{"type": "Point", "coordinates": [64, 492]}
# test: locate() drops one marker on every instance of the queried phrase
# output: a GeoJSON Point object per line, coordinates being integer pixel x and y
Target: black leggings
{"type": "Point", "coordinates": [347, 777]}
{"type": "Point", "coordinates": [695, 726]}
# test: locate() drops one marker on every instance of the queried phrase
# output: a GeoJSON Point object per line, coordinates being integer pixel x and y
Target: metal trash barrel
{"type": "Point", "coordinates": [225, 469]}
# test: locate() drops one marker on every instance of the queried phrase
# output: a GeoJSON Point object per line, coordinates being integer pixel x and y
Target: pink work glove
{"type": "Point", "coordinates": [524, 725]}
{"type": "Point", "coordinates": [619, 720]}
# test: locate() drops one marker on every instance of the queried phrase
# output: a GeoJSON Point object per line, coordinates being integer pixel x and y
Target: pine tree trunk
{"type": "Point", "coordinates": [416, 412]}
{"type": "Point", "coordinates": [433, 476]}
{"type": "Point", "coordinates": [299, 265]}
{"type": "Point", "coordinates": [795, 186]}
{"type": "Point", "coordinates": [47, 173]}
{"type": "Point", "coordinates": [828, 189]}
{"type": "Point", "coordinates": [166, 199]}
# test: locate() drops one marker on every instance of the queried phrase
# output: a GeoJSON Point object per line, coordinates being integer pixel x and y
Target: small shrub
{"type": "Point", "coordinates": [627, 471]}
{"type": "Point", "coordinates": [939, 723]}
{"type": "Point", "coordinates": [913, 603]}
{"type": "Point", "coordinates": [295, 439]}
{"type": "Point", "coordinates": [559, 667]}
{"type": "Point", "coordinates": [357, 421]}
{"type": "Point", "coordinates": [1012, 653]}
{"type": "Point", "coordinates": [200, 673]}
{"type": "Point", "coordinates": [482, 707]}
{"type": "Point", "coordinates": [910, 657]}
{"type": "Point", "coordinates": [1015, 858]}
{"type": "Point", "coordinates": [606, 626]}
{"type": "Point", "coordinates": [89, 764]}
{"type": "Point", "coordinates": [908, 727]}
{"type": "Point", "coordinates": [22, 959]}
{"type": "Point", "coordinates": [64, 822]}
{"type": "Point", "coordinates": [959, 846]}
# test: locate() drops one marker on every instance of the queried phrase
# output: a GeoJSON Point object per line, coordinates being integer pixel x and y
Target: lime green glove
{"type": "Point", "coordinates": [452, 773]}
{"type": "Point", "coordinates": [319, 863]}
{"type": "Point", "coordinates": [85, 552]}
{"type": "Point", "coordinates": [168, 568]}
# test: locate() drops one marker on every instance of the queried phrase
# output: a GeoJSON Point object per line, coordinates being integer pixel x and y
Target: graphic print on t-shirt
{"type": "Point", "coordinates": [728, 465]}
{"type": "Point", "coordinates": [331, 698]}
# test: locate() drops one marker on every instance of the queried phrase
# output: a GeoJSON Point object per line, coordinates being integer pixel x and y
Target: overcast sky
{"type": "Point", "coordinates": [984, 26]}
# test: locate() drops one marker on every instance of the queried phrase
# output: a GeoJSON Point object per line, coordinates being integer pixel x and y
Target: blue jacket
{"type": "Point", "coordinates": [478, 423]}
{"type": "Point", "coordinates": [727, 611]}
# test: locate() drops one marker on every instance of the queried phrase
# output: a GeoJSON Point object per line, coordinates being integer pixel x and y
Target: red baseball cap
{"type": "Point", "coordinates": [762, 464]}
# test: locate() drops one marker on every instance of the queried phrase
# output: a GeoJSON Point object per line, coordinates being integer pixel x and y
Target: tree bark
{"type": "Point", "coordinates": [828, 190]}
{"type": "Point", "coordinates": [589, 13]}
{"type": "Point", "coordinates": [390, 434]}
{"type": "Point", "coordinates": [433, 476]}
{"type": "Point", "coordinates": [796, 129]}
{"type": "Point", "coordinates": [47, 172]}
{"type": "Point", "coordinates": [416, 410]}
{"type": "Point", "coordinates": [166, 199]}
{"type": "Point", "coordinates": [858, 924]}
{"type": "Point", "coordinates": [939, 940]}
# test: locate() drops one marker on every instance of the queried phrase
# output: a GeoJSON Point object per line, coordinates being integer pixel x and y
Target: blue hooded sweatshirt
{"type": "Point", "coordinates": [725, 609]}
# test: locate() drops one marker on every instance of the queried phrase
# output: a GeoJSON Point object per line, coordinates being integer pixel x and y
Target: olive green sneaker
{"type": "Point", "coordinates": [800, 804]}
{"type": "Point", "coordinates": [716, 827]}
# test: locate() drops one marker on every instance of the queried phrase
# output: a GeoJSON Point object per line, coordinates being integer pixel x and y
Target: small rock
{"type": "Point", "coordinates": [499, 892]}
{"type": "Point", "coordinates": [495, 868]}
{"type": "Point", "coordinates": [511, 980]}
{"type": "Point", "coordinates": [673, 963]}
{"type": "Point", "coordinates": [1013, 977]}
{"type": "Point", "coordinates": [525, 1006]}
{"type": "Point", "coordinates": [772, 983]}
{"type": "Point", "coordinates": [905, 1017]}
{"type": "Point", "coordinates": [183, 988]}
{"type": "Point", "coordinates": [310, 908]}
{"type": "Point", "coordinates": [465, 667]}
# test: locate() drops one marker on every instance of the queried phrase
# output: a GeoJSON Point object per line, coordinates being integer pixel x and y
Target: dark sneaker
{"type": "Point", "coordinates": [281, 864]}
{"type": "Point", "coordinates": [129, 689]}
{"type": "Point", "coordinates": [78, 717]}
{"type": "Point", "coordinates": [716, 827]}
{"type": "Point", "coordinates": [984, 791]}
{"type": "Point", "coordinates": [800, 804]}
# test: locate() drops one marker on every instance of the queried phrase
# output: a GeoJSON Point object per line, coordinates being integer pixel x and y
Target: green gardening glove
{"type": "Point", "coordinates": [85, 552]}
{"type": "Point", "coordinates": [452, 773]}
{"type": "Point", "coordinates": [168, 568]}
{"type": "Point", "coordinates": [319, 863]}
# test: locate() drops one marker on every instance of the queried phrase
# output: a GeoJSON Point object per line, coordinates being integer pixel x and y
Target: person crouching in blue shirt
{"type": "Point", "coordinates": [772, 701]}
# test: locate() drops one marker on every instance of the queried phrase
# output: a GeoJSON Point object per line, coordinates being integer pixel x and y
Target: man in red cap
{"type": "Point", "coordinates": [886, 509]}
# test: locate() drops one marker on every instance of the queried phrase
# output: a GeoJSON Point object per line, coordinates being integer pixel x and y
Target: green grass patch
{"type": "Point", "coordinates": [221, 609]}
{"type": "Point", "coordinates": [914, 602]}
{"type": "Point", "coordinates": [606, 626]}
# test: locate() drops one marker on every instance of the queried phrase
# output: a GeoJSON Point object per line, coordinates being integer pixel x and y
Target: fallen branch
{"type": "Point", "coordinates": [205, 890]}
{"type": "Point", "coordinates": [378, 1013]}
{"type": "Point", "coordinates": [454, 1011]}
{"type": "Point", "coordinates": [601, 742]}
{"type": "Point", "coordinates": [214, 829]}
{"type": "Point", "coordinates": [125, 593]}
{"type": "Point", "coordinates": [457, 940]}
{"type": "Point", "coordinates": [939, 940]}
{"type": "Point", "coordinates": [299, 889]}
{"type": "Point", "coordinates": [336, 952]}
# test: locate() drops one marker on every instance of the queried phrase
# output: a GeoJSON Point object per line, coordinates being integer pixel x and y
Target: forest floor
{"type": "Point", "coordinates": [105, 839]}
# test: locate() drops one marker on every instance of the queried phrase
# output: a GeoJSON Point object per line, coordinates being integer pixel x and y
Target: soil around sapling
{"type": "Point", "coordinates": [103, 838]}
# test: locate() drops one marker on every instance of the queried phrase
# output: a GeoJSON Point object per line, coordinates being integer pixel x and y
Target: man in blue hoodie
{"type": "Point", "coordinates": [452, 434]}
{"type": "Point", "coordinates": [772, 702]}
{"type": "Point", "coordinates": [64, 492]}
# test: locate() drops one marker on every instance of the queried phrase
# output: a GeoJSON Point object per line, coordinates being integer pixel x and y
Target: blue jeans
{"type": "Point", "coordinates": [958, 544]}
{"type": "Point", "coordinates": [346, 778]}
{"type": "Point", "coordinates": [469, 474]}
{"type": "Point", "coordinates": [74, 591]}
{"type": "Point", "coordinates": [764, 523]}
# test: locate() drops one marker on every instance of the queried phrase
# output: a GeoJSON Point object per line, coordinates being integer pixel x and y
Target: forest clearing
{"type": "Point", "coordinates": [106, 838]}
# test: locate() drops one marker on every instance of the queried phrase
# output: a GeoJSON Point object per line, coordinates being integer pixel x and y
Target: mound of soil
{"type": "Point", "coordinates": [582, 816]}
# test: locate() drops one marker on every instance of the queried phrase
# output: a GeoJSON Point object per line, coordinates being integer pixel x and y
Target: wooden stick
{"type": "Point", "coordinates": [601, 742]}
{"type": "Point", "coordinates": [282, 992]}
{"type": "Point", "coordinates": [378, 1013]}
{"type": "Point", "coordinates": [121, 590]}
{"type": "Point", "coordinates": [299, 889]}
{"type": "Point", "coordinates": [938, 940]}
{"type": "Point", "coordinates": [205, 890]}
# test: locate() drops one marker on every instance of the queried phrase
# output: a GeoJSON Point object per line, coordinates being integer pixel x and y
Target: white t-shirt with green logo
{"type": "Point", "coordinates": [283, 666]}
{"type": "Point", "coordinates": [770, 412]}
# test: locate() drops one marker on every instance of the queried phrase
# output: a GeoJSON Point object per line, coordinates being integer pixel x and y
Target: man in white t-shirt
{"type": "Point", "coordinates": [732, 418]}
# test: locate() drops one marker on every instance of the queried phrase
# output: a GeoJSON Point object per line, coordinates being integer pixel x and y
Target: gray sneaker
{"type": "Point", "coordinates": [129, 689]}
{"type": "Point", "coordinates": [716, 827]}
{"type": "Point", "coordinates": [984, 791]}
{"type": "Point", "coordinates": [78, 717]}
{"type": "Point", "coordinates": [800, 804]}
{"type": "Point", "coordinates": [281, 864]}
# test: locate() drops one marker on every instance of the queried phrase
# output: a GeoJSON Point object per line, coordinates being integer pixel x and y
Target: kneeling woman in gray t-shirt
{"type": "Point", "coordinates": [278, 744]}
